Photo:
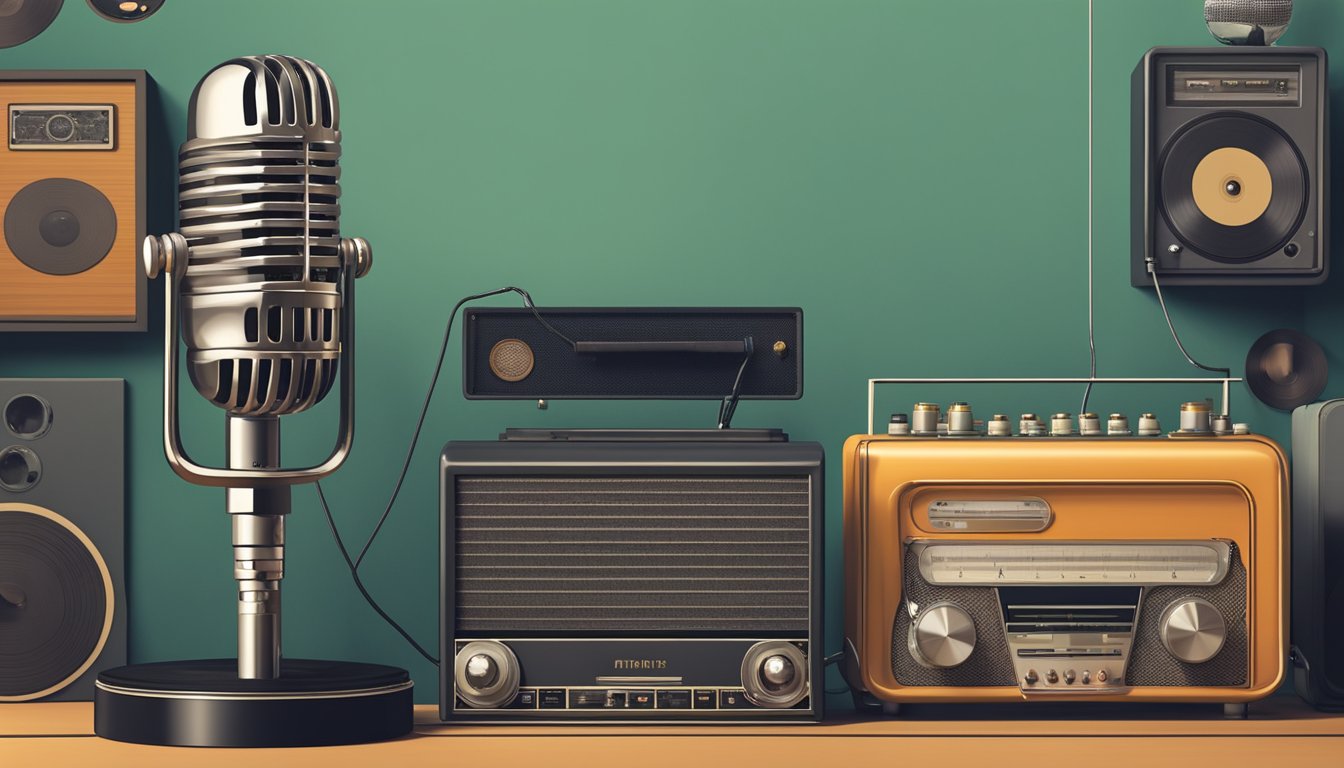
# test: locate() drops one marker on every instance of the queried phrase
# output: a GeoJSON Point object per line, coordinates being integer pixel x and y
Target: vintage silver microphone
{"type": "Point", "coordinates": [260, 285]}
{"type": "Point", "coordinates": [1248, 22]}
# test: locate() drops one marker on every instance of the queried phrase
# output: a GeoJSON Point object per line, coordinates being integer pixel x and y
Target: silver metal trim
{"type": "Point", "coordinates": [212, 696]}
{"type": "Point", "coordinates": [1221, 548]}
{"type": "Point", "coordinates": [872, 385]}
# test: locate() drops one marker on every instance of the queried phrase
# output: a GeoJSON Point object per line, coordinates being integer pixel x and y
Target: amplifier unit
{"type": "Point", "coordinates": [1070, 565]}
{"type": "Point", "coordinates": [632, 575]}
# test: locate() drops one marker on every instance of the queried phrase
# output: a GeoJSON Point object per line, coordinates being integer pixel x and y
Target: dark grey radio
{"type": "Point", "coordinates": [632, 575]}
{"type": "Point", "coordinates": [45, 126]}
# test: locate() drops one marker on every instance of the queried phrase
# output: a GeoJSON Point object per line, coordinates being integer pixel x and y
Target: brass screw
{"type": "Point", "coordinates": [780, 348]}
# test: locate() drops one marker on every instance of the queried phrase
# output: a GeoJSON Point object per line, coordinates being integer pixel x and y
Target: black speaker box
{"type": "Point", "coordinates": [62, 594]}
{"type": "Point", "coordinates": [1230, 167]}
{"type": "Point", "coordinates": [1318, 554]}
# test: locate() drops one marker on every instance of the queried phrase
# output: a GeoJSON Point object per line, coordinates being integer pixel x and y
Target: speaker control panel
{"type": "Point", "coordinates": [62, 126]}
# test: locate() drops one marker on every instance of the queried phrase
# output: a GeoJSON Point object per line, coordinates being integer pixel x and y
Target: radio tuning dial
{"type": "Point", "coordinates": [942, 636]}
{"type": "Point", "coordinates": [486, 674]}
{"type": "Point", "coordinates": [1193, 630]}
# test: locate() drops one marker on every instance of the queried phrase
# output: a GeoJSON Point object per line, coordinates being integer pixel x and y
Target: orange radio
{"type": "Point", "coordinates": [1063, 560]}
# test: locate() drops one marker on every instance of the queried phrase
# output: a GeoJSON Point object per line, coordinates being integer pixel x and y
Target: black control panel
{"type": "Point", "coordinates": [665, 699]}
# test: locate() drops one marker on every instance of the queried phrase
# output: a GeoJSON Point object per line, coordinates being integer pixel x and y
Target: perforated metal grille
{"type": "Point", "coordinates": [988, 665]}
{"type": "Point", "coordinates": [1149, 662]}
{"type": "Point", "coordinates": [632, 552]}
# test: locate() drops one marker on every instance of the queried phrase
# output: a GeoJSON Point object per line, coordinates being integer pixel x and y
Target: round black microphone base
{"type": "Point", "coordinates": [205, 704]}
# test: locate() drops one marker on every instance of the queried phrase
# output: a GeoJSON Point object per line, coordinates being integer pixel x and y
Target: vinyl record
{"type": "Point", "coordinates": [1285, 369]}
{"type": "Point", "coordinates": [1233, 187]}
{"type": "Point", "coordinates": [22, 20]}
{"type": "Point", "coordinates": [56, 602]}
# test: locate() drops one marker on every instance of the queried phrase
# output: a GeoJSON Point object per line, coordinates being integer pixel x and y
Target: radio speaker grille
{"type": "Point", "coordinates": [632, 552]}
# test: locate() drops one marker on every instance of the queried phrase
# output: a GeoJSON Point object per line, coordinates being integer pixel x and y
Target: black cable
{"type": "Point", "coordinates": [354, 574]}
{"type": "Point", "coordinates": [729, 404]}
{"type": "Point", "coordinates": [410, 453]}
{"type": "Point", "coordinates": [1152, 271]}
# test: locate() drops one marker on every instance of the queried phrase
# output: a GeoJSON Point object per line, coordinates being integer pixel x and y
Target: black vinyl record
{"type": "Point", "coordinates": [22, 20]}
{"type": "Point", "coordinates": [1246, 146]}
{"type": "Point", "coordinates": [1286, 369]}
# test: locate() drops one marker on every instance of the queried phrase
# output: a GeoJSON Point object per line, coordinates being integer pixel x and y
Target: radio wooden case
{"type": "Point", "coordinates": [1065, 569]}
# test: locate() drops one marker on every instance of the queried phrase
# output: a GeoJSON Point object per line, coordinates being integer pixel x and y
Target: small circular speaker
{"type": "Point", "coordinates": [27, 417]}
{"type": "Point", "coordinates": [20, 469]}
{"type": "Point", "coordinates": [22, 20]}
{"type": "Point", "coordinates": [1286, 368]}
{"type": "Point", "coordinates": [60, 226]}
{"type": "Point", "coordinates": [512, 360]}
{"type": "Point", "coordinates": [125, 11]}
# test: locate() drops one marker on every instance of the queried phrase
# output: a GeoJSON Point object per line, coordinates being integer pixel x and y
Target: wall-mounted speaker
{"type": "Point", "coordinates": [1230, 167]}
{"type": "Point", "coordinates": [72, 194]}
{"type": "Point", "coordinates": [62, 594]}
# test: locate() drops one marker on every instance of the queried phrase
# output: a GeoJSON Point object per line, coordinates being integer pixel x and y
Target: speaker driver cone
{"type": "Point", "coordinates": [56, 602]}
{"type": "Point", "coordinates": [1234, 187]}
{"type": "Point", "coordinates": [60, 226]}
{"type": "Point", "coordinates": [1286, 368]}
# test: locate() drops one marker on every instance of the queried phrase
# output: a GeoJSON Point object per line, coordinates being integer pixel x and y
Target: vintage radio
{"type": "Point", "coordinates": [1054, 560]}
{"type": "Point", "coordinates": [599, 575]}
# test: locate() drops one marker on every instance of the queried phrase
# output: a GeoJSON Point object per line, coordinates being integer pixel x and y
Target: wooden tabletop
{"type": "Point", "coordinates": [1280, 732]}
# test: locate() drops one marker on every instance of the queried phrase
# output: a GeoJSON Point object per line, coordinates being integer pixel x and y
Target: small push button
{"type": "Point", "coordinates": [706, 699]}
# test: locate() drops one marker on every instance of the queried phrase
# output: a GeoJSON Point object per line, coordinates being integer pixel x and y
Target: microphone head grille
{"type": "Point", "coordinates": [511, 360]}
{"type": "Point", "coordinates": [1248, 22]}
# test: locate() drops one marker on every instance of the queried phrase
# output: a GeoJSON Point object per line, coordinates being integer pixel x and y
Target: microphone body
{"type": "Point", "coordinates": [1248, 22]}
{"type": "Point", "coordinates": [261, 288]}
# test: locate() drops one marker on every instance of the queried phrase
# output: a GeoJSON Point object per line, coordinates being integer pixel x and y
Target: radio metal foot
{"type": "Point", "coordinates": [891, 710]}
{"type": "Point", "coordinates": [1235, 711]}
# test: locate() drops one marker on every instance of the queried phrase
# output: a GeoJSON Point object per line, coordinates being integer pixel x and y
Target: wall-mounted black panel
{"type": "Point", "coordinates": [653, 353]}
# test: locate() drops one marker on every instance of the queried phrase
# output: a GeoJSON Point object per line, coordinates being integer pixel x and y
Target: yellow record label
{"type": "Point", "coordinates": [1232, 186]}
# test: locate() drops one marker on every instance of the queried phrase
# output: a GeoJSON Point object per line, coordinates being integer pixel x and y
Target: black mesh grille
{"type": "Point", "coordinates": [650, 553]}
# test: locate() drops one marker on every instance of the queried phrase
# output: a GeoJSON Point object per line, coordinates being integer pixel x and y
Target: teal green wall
{"type": "Point", "coordinates": [913, 174]}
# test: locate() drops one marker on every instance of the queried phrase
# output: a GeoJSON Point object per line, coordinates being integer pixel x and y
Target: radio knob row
{"type": "Point", "coordinates": [926, 420]}
{"type": "Point", "coordinates": [1070, 676]}
{"type": "Point", "coordinates": [774, 674]}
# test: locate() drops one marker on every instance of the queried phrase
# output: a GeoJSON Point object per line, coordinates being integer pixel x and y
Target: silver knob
{"type": "Point", "coordinates": [942, 636]}
{"type": "Point", "coordinates": [1193, 630]}
{"type": "Point", "coordinates": [486, 674]}
{"type": "Point", "coordinates": [1149, 425]}
{"type": "Point", "coordinates": [774, 674]}
{"type": "Point", "coordinates": [777, 671]}
{"type": "Point", "coordinates": [481, 671]}
{"type": "Point", "coordinates": [1061, 425]}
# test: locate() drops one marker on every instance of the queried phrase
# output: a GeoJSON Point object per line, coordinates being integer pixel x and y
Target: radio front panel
{"type": "Point", "coordinates": [1065, 568]}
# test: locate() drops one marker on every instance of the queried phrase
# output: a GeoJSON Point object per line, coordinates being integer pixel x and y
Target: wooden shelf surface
{"type": "Point", "coordinates": [1280, 731]}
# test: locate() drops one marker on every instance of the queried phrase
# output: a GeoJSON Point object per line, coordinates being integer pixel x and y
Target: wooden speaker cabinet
{"type": "Point", "coordinates": [72, 194]}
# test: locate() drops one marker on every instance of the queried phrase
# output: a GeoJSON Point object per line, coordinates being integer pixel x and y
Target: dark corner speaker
{"type": "Point", "coordinates": [1230, 167]}
{"type": "Point", "coordinates": [1318, 554]}
{"type": "Point", "coordinates": [632, 353]}
{"type": "Point", "coordinates": [632, 575]}
{"type": "Point", "coordinates": [62, 595]}
{"type": "Point", "coordinates": [72, 197]}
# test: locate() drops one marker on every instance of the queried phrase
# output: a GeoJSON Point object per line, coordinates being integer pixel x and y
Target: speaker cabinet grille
{"type": "Point", "coordinates": [656, 553]}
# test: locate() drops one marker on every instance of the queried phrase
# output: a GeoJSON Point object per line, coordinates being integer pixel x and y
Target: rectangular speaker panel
{"type": "Point", "coordinates": [73, 218]}
{"type": "Point", "coordinates": [653, 353]}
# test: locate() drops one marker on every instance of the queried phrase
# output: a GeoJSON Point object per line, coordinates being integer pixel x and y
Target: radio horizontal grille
{"type": "Point", "coordinates": [652, 553]}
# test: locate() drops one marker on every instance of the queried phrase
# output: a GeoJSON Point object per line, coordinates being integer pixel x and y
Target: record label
{"type": "Point", "coordinates": [1232, 186]}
